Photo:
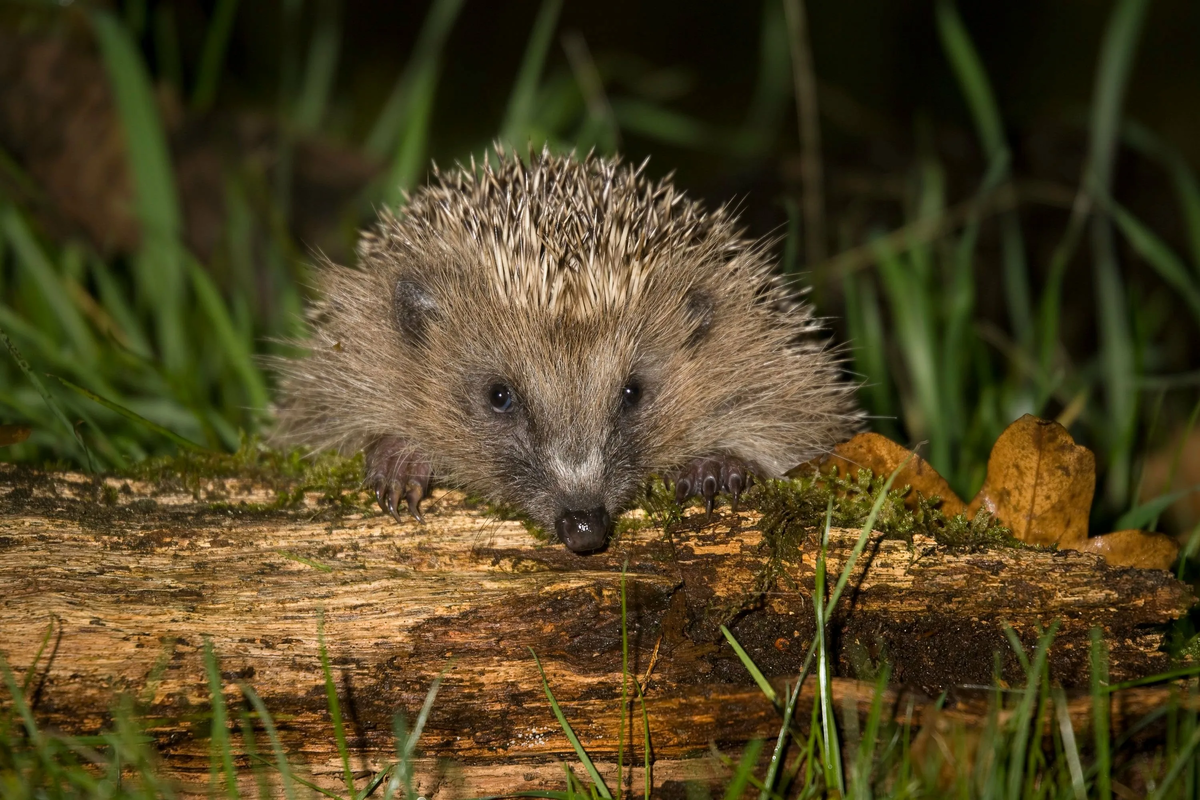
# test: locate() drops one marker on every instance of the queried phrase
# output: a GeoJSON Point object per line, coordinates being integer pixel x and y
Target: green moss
{"type": "Point", "coordinates": [291, 474]}
{"type": "Point", "coordinates": [793, 509]}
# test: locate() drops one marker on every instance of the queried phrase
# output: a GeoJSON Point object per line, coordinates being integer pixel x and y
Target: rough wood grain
{"type": "Point", "coordinates": [130, 574]}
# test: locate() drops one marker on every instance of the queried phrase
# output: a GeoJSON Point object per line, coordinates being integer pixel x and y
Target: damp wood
{"type": "Point", "coordinates": [131, 578]}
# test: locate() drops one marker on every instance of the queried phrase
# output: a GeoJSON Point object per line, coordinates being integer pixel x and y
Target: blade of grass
{"type": "Point", "coordinates": [236, 351]}
{"type": "Point", "coordinates": [406, 746]}
{"type": "Point", "coordinates": [1070, 749]}
{"type": "Point", "coordinates": [646, 775]}
{"type": "Point", "coordinates": [219, 737]}
{"type": "Point", "coordinates": [624, 686]}
{"type": "Point", "coordinates": [751, 667]}
{"type": "Point", "coordinates": [831, 746]}
{"type": "Point", "coordinates": [976, 88]}
{"type": "Point", "coordinates": [597, 781]}
{"type": "Point", "coordinates": [428, 49]}
{"type": "Point", "coordinates": [864, 321]}
{"type": "Point", "coordinates": [844, 578]}
{"type": "Point", "coordinates": [335, 709]}
{"type": "Point", "coordinates": [780, 743]}
{"type": "Point", "coordinates": [804, 83]}
{"type": "Point", "coordinates": [250, 747]}
{"type": "Point", "coordinates": [663, 124]}
{"type": "Point", "coordinates": [31, 260]}
{"type": "Point", "coordinates": [914, 331]}
{"type": "Point", "coordinates": [1100, 708]}
{"type": "Point", "coordinates": [1140, 516]}
{"type": "Point", "coordinates": [1158, 255]}
{"type": "Point", "coordinates": [1023, 719]}
{"type": "Point", "coordinates": [745, 770]}
{"type": "Point", "coordinates": [32, 671]}
{"type": "Point", "coordinates": [159, 265]}
{"type": "Point", "coordinates": [294, 778]}
{"type": "Point", "coordinates": [409, 162]}
{"type": "Point", "coordinates": [281, 762]}
{"type": "Point", "coordinates": [1163, 677]}
{"type": "Point", "coordinates": [599, 129]}
{"type": "Point", "coordinates": [1116, 348]}
{"type": "Point", "coordinates": [1187, 188]}
{"type": "Point", "coordinates": [772, 89]}
{"type": "Point", "coordinates": [132, 416]}
{"type": "Point", "coordinates": [320, 67]}
{"type": "Point", "coordinates": [212, 57]}
{"type": "Point", "coordinates": [374, 783]}
{"type": "Point", "coordinates": [403, 126]}
{"type": "Point", "coordinates": [113, 300]}
{"type": "Point", "coordinates": [521, 100]}
{"type": "Point", "coordinates": [1018, 648]}
{"type": "Point", "coordinates": [36, 738]}
{"type": "Point", "coordinates": [867, 745]}
{"type": "Point", "coordinates": [51, 402]}
{"type": "Point", "coordinates": [168, 59]}
{"type": "Point", "coordinates": [1183, 760]}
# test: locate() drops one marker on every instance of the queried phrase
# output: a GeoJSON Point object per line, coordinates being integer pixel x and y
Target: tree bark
{"type": "Point", "coordinates": [132, 578]}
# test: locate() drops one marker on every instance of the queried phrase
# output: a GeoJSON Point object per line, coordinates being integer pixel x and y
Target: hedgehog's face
{"type": "Point", "coordinates": [562, 416]}
{"type": "Point", "coordinates": [560, 426]}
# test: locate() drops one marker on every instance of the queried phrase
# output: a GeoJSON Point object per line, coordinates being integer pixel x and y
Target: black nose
{"type": "Point", "coordinates": [584, 531]}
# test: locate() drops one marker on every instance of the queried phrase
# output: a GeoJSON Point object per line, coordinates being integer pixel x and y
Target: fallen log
{"type": "Point", "coordinates": [133, 577]}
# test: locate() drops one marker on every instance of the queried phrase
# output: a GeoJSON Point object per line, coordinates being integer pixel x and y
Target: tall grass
{"type": "Point", "coordinates": [170, 340]}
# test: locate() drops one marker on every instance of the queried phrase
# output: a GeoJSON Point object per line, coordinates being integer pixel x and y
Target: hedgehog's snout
{"type": "Point", "coordinates": [584, 531]}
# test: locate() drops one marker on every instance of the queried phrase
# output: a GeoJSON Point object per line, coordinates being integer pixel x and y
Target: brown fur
{"type": "Point", "coordinates": [564, 279]}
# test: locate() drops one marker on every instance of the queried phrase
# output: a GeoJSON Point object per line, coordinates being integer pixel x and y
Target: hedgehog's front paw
{"type": "Point", "coordinates": [395, 471]}
{"type": "Point", "coordinates": [709, 476]}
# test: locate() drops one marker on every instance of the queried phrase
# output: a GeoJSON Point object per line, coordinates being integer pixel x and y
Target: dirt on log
{"type": "Point", "coordinates": [133, 577]}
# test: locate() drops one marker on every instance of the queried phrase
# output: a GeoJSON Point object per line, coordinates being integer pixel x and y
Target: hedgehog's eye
{"type": "Point", "coordinates": [631, 393]}
{"type": "Point", "coordinates": [500, 397]}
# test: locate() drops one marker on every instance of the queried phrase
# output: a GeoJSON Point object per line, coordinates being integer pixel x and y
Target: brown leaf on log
{"type": "Point", "coordinates": [1133, 548]}
{"type": "Point", "coordinates": [882, 456]}
{"type": "Point", "coordinates": [1039, 484]}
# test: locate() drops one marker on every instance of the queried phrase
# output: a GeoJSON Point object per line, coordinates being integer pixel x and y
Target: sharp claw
{"type": "Point", "coordinates": [709, 489]}
{"type": "Point", "coordinates": [379, 497]}
{"type": "Point", "coordinates": [735, 489]}
{"type": "Point", "coordinates": [683, 489]}
{"type": "Point", "coordinates": [391, 505]}
{"type": "Point", "coordinates": [413, 498]}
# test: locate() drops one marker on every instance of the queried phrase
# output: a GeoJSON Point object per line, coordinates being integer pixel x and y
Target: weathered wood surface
{"type": "Point", "coordinates": [130, 574]}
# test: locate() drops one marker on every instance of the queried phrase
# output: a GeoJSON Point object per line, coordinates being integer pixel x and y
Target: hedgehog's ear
{"type": "Point", "coordinates": [698, 308]}
{"type": "Point", "coordinates": [413, 308]}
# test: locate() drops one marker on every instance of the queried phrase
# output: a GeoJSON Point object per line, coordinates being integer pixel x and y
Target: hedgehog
{"type": "Point", "coordinates": [548, 333]}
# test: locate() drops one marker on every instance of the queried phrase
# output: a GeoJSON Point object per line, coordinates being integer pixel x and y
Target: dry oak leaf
{"type": "Point", "coordinates": [1039, 483]}
{"type": "Point", "coordinates": [1134, 548]}
{"type": "Point", "coordinates": [881, 455]}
